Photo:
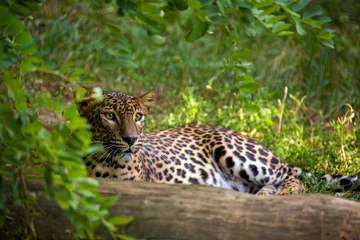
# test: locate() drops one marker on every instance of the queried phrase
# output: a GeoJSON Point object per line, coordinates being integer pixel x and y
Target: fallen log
{"type": "Point", "coordinates": [201, 212]}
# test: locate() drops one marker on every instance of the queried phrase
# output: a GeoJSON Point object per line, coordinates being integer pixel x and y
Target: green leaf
{"type": "Point", "coordinates": [285, 33]}
{"type": "Point", "coordinates": [245, 78]}
{"type": "Point", "coordinates": [201, 15]}
{"type": "Point", "coordinates": [311, 12]}
{"type": "Point", "coordinates": [62, 197]}
{"type": "Point", "coordinates": [311, 43]}
{"type": "Point", "coordinates": [328, 43]}
{"type": "Point", "coordinates": [15, 91]}
{"type": "Point", "coordinates": [211, 10]}
{"type": "Point", "coordinates": [108, 225]}
{"type": "Point", "coordinates": [77, 172]}
{"type": "Point", "coordinates": [195, 4]}
{"type": "Point", "coordinates": [23, 37]}
{"type": "Point", "coordinates": [326, 34]}
{"type": "Point", "coordinates": [87, 183]}
{"type": "Point", "coordinates": [198, 30]}
{"type": "Point", "coordinates": [252, 108]}
{"type": "Point", "coordinates": [156, 18]}
{"type": "Point", "coordinates": [239, 68]}
{"type": "Point", "coordinates": [152, 26]}
{"type": "Point", "coordinates": [6, 17]}
{"type": "Point", "coordinates": [284, 2]}
{"type": "Point", "coordinates": [124, 237]}
{"type": "Point", "coordinates": [263, 4]}
{"type": "Point", "coordinates": [248, 87]}
{"type": "Point", "coordinates": [220, 19]}
{"type": "Point", "coordinates": [288, 10]}
{"type": "Point", "coordinates": [206, 2]}
{"type": "Point", "coordinates": [29, 48]}
{"type": "Point", "coordinates": [25, 65]}
{"type": "Point", "coordinates": [299, 5]}
{"type": "Point", "coordinates": [110, 201]}
{"type": "Point", "coordinates": [269, 11]}
{"type": "Point", "coordinates": [119, 220]}
{"type": "Point", "coordinates": [281, 27]}
{"type": "Point", "coordinates": [74, 200]}
{"type": "Point", "coordinates": [312, 22]}
{"type": "Point", "coordinates": [299, 27]}
{"type": "Point", "coordinates": [243, 4]}
{"type": "Point", "coordinates": [31, 64]}
{"type": "Point", "coordinates": [275, 19]}
{"type": "Point", "coordinates": [240, 54]}
{"type": "Point", "coordinates": [14, 28]}
{"type": "Point", "coordinates": [181, 4]}
{"type": "Point", "coordinates": [324, 19]}
{"type": "Point", "coordinates": [158, 40]}
{"type": "Point", "coordinates": [86, 193]}
{"type": "Point", "coordinates": [228, 34]}
{"type": "Point", "coordinates": [70, 112]}
{"type": "Point", "coordinates": [222, 6]}
{"type": "Point", "coordinates": [8, 59]}
{"type": "Point", "coordinates": [247, 84]}
{"type": "Point", "coordinates": [77, 123]}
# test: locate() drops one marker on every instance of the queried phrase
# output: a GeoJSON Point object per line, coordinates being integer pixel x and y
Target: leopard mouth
{"type": "Point", "coordinates": [128, 151]}
{"type": "Point", "coordinates": [118, 152]}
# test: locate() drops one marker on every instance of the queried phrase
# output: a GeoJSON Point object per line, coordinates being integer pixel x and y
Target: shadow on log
{"type": "Point", "coordinates": [201, 212]}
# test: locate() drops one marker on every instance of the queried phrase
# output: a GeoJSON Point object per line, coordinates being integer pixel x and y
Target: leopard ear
{"type": "Point", "coordinates": [86, 98]}
{"type": "Point", "coordinates": [146, 101]}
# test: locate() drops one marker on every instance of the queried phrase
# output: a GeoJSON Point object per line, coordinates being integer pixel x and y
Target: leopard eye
{"type": "Point", "coordinates": [110, 116]}
{"type": "Point", "coordinates": [138, 117]}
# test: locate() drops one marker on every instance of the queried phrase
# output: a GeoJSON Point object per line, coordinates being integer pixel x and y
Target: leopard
{"type": "Point", "coordinates": [189, 154]}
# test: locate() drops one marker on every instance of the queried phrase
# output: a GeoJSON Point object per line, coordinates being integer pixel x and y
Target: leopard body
{"type": "Point", "coordinates": [190, 154]}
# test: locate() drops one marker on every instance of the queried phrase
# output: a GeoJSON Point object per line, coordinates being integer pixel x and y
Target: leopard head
{"type": "Point", "coordinates": [118, 121]}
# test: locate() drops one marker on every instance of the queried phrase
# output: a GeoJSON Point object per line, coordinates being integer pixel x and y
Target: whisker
{"type": "Point", "coordinates": [92, 154]}
{"type": "Point", "coordinates": [102, 155]}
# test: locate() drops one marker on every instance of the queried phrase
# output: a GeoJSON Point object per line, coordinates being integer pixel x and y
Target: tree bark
{"type": "Point", "coordinates": [201, 212]}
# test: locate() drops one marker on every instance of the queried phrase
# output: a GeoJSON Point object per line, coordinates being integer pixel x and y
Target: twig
{"type": "Point", "coordinates": [282, 109]}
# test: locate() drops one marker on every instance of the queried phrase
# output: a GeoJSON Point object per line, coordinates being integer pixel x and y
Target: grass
{"type": "Point", "coordinates": [313, 126]}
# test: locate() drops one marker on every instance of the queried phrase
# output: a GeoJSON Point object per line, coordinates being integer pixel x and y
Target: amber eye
{"type": "Point", "coordinates": [138, 117]}
{"type": "Point", "coordinates": [110, 116]}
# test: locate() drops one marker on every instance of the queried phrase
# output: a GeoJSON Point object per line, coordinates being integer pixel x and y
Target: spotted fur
{"type": "Point", "coordinates": [189, 154]}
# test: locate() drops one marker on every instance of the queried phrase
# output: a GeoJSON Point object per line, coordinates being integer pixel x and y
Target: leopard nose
{"type": "Point", "coordinates": [130, 140]}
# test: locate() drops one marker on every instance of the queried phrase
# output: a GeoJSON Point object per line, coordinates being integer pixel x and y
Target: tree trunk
{"type": "Point", "coordinates": [201, 212]}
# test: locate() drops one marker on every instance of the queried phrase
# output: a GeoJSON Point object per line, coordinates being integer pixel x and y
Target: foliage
{"type": "Point", "coordinates": [222, 63]}
{"type": "Point", "coordinates": [25, 141]}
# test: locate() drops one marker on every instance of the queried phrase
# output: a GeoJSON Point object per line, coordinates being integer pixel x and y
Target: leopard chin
{"type": "Point", "coordinates": [125, 156]}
